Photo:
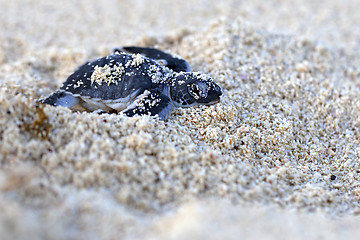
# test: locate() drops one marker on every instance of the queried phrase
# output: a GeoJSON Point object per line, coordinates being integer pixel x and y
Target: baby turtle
{"type": "Point", "coordinates": [135, 80]}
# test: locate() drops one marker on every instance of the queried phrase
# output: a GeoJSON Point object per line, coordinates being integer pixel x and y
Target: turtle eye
{"type": "Point", "coordinates": [198, 90]}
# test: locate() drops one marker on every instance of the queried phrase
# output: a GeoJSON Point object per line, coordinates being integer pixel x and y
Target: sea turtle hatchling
{"type": "Point", "coordinates": [135, 80]}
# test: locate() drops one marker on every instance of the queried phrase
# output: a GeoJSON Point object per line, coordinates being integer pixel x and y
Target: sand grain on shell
{"type": "Point", "coordinates": [286, 124]}
{"type": "Point", "coordinates": [107, 74]}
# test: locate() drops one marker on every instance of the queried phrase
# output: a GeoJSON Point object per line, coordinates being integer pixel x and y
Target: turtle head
{"type": "Point", "coordinates": [192, 88]}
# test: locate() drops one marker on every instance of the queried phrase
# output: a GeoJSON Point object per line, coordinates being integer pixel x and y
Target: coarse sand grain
{"type": "Point", "coordinates": [277, 158]}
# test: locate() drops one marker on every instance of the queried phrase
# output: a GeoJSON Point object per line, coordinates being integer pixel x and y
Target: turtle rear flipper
{"type": "Point", "coordinates": [175, 63]}
{"type": "Point", "coordinates": [60, 98]}
{"type": "Point", "coordinates": [150, 102]}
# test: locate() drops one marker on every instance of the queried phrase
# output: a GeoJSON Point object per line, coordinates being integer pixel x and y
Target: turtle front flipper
{"type": "Point", "coordinates": [150, 103]}
{"type": "Point", "coordinates": [175, 63]}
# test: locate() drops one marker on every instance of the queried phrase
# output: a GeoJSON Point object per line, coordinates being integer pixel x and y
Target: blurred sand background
{"type": "Point", "coordinates": [278, 158]}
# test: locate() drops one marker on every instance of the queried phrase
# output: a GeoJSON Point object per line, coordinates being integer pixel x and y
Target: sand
{"type": "Point", "coordinates": [277, 158]}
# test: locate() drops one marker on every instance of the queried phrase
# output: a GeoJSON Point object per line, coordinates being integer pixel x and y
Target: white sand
{"type": "Point", "coordinates": [278, 158]}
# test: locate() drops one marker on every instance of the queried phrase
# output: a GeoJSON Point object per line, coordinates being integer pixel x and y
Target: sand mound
{"type": "Point", "coordinates": [284, 135]}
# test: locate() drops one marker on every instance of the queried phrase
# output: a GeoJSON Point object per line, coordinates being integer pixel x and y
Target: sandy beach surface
{"type": "Point", "coordinates": [277, 158]}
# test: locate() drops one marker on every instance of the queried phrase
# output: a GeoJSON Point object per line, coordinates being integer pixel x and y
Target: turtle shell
{"type": "Point", "coordinates": [116, 76]}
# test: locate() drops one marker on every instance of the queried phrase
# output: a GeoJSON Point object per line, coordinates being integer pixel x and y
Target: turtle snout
{"type": "Point", "coordinates": [217, 91]}
{"type": "Point", "coordinates": [214, 94]}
